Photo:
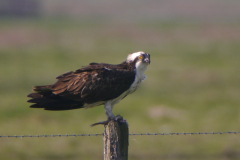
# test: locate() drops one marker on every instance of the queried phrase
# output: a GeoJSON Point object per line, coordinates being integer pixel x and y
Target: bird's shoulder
{"type": "Point", "coordinates": [102, 67]}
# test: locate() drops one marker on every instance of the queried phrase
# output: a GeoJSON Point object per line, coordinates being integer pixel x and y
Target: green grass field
{"type": "Point", "coordinates": [192, 86]}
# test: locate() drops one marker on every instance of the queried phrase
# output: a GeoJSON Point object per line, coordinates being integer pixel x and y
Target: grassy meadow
{"type": "Point", "coordinates": [192, 85]}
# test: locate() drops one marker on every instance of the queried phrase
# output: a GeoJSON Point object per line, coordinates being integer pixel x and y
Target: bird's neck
{"type": "Point", "coordinates": [140, 69]}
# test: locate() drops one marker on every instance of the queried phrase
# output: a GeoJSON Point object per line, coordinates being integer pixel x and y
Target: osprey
{"type": "Point", "coordinates": [93, 85]}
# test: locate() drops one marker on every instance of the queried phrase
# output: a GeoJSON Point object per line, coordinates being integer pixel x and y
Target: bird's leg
{"type": "Point", "coordinates": [111, 116]}
{"type": "Point", "coordinates": [108, 107]}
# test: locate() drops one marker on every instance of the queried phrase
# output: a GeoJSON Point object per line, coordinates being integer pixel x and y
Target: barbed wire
{"type": "Point", "coordinates": [52, 135]}
{"type": "Point", "coordinates": [131, 134]}
{"type": "Point", "coordinates": [183, 133]}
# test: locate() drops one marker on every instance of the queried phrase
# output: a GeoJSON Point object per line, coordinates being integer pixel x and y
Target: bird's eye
{"type": "Point", "coordinates": [141, 57]}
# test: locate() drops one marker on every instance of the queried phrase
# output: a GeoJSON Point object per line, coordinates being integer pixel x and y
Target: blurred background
{"type": "Point", "coordinates": [192, 85]}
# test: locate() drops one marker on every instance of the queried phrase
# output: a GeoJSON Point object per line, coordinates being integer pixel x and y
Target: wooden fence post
{"type": "Point", "coordinates": [116, 141]}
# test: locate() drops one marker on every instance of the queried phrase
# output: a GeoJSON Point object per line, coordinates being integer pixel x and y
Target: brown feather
{"type": "Point", "coordinates": [90, 84]}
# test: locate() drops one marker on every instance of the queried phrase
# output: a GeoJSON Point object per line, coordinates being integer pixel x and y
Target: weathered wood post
{"type": "Point", "coordinates": [116, 141]}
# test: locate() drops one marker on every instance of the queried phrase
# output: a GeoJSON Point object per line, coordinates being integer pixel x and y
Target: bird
{"type": "Point", "coordinates": [93, 85]}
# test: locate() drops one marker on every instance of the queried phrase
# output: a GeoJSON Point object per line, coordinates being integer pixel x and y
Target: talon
{"type": "Point", "coordinates": [102, 122]}
{"type": "Point", "coordinates": [118, 118]}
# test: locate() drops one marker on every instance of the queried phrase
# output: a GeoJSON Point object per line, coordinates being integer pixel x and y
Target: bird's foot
{"type": "Point", "coordinates": [102, 122]}
{"type": "Point", "coordinates": [118, 118]}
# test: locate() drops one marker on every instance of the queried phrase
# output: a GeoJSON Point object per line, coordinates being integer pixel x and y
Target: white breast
{"type": "Point", "coordinates": [140, 76]}
{"type": "Point", "coordinates": [136, 83]}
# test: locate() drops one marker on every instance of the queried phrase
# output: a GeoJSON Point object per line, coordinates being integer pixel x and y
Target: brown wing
{"type": "Point", "coordinates": [96, 82]}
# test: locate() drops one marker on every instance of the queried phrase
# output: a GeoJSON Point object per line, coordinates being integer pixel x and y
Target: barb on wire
{"type": "Point", "coordinates": [132, 134]}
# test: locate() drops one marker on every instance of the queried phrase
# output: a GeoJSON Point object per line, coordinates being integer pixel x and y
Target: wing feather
{"type": "Point", "coordinates": [96, 82]}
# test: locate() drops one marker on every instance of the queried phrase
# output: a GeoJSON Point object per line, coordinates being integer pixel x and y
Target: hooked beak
{"type": "Point", "coordinates": [147, 60]}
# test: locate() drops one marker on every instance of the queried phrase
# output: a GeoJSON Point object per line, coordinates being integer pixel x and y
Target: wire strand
{"type": "Point", "coordinates": [131, 134]}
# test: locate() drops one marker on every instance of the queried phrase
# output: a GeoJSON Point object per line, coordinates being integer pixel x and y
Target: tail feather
{"type": "Point", "coordinates": [44, 98]}
{"type": "Point", "coordinates": [42, 88]}
{"type": "Point", "coordinates": [34, 95]}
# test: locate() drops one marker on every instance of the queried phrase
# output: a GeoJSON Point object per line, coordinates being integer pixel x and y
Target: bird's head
{"type": "Point", "coordinates": [139, 57]}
